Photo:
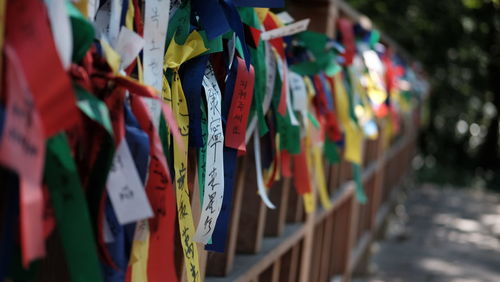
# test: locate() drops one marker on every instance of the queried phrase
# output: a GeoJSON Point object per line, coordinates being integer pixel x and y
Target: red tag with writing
{"type": "Point", "coordinates": [240, 107]}
{"type": "Point", "coordinates": [22, 149]}
{"type": "Point", "coordinates": [28, 33]}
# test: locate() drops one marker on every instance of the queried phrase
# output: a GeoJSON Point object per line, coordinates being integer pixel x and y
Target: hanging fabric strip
{"type": "Point", "coordinates": [360, 192]}
{"type": "Point", "coordinates": [320, 176]}
{"type": "Point", "coordinates": [354, 135]}
{"type": "Point", "coordinates": [175, 56]}
{"type": "Point", "coordinates": [138, 264]}
{"type": "Point", "coordinates": [286, 30]}
{"type": "Point", "coordinates": [237, 119]}
{"type": "Point", "coordinates": [22, 143]}
{"type": "Point", "coordinates": [270, 59]}
{"type": "Point", "coordinates": [155, 33]}
{"type": "Point", "coordinates": [114, 21]}
{"type": "Point", "coordinates": [230, 165]}
{"type": "Point", "coordinates": [258, 168]}
{"type": "Point", "coordinates": [70, 207]}
{"type": "Point", "coordinates": [286, 98]}
{"type": "Point", "coordinates": [52, 92]}
{"type": "Point", "coordinates": [61, 29]}
{"type": "Point", "coordinates": [202, 152]}
{"type": "Point", "coordinates": [158, 232]}
{"type": "Point", "coordinates": [214, 169]}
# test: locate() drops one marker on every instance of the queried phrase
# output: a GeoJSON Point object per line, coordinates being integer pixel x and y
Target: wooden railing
{"type": "Point", "coordinates": [288, 245]}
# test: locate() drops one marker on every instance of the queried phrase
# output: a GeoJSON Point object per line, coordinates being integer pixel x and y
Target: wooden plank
{"type": "Point", "coordinates": [289, 263]}
{"type": "Point", "coordinates": [326, 249]}
{"type": "Point", "coordinates": [316, 252]}
{"type": "Point", "coordinates": [252, 214]}
{"type": "Point", "coordinates": [267, 275]}
{"type": "Point", "coordinates": [352, 231]}
{"type": "Point", "coordinates": [246, 266]}
{"type": "Point", "coordinates": [222, 263]}
{"type": "Point", "coordinates": [339, 246]}
{"type": "Point", "coordinates": [275, 221]}
{"type": "Point", "coordinates": [276, 271]}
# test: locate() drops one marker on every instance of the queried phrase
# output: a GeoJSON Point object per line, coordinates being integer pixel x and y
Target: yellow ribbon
{"type": "Point", "coordinates": [175, 56]}
{"type": "Point", "coordinates": [354, 135]}
{"type": "Point", "coordinates": [309, 202]}
{"type": "Point", "coordinates": [139, 254]}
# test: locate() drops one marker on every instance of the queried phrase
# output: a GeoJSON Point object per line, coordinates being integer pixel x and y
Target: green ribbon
{"type": "Point", "coordinates": [71, 213]}
{"type": "Point", "coordinates": [360, 191]}
{"type": "Point", "coordinates": [83, 32]}
{"type": "Point", "coordinates": [249, 17]}
{"type": "Point", "coordinates": [179, 25]}
{"type": "Point", "coordinates": [202, 152]}
{"type": "Point", "coordinates": [331, 153]}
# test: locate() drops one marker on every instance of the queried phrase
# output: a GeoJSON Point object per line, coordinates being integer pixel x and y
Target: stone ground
{"type": "Point", "coordinates": [440, 234]}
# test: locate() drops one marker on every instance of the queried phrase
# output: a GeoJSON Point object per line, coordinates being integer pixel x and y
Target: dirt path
{"type": "Point", "coordinates": [444, 235]}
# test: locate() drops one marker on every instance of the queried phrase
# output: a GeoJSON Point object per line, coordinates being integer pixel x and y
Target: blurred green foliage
{"type": "Point", "coordinates": [458, 43]}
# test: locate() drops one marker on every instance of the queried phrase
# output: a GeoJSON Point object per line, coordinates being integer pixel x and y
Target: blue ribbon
{"type": "Point", "coordinates": [191, 73]}
{"type": "Point", "coordinates": [219, 17]}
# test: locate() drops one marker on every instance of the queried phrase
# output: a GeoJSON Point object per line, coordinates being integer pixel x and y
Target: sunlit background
{"type": "Point", "coordinates": [458, 43]}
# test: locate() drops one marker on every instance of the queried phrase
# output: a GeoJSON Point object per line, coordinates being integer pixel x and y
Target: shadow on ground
{"type": "Point", "coordinates": [440, 234]}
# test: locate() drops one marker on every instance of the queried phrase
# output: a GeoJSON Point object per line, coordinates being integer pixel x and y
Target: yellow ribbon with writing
{"type": "Point", "coordinates": [175, 56]}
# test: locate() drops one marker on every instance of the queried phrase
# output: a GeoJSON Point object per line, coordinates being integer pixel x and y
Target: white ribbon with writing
{"type": "Point", "coordinates": [155, 33]}
{"type": "Point", "coordinates": [214, 167]}
{"type": "Point", "coordinates": [286, 30]}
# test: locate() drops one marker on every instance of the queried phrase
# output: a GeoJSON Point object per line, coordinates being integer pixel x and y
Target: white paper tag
{"type": "Point", "coordinates": [125, 189]}
{"type": "Point", "coordinates": [258, 168]}
{"type": "Point", "coordinates": [286, 30]}
{"type": "Point", "coordinates": [214, 167]}
{"type": "Point", "coordinates": [128, 46]}
{"type": "Point", "coordinates": [61, 29]}
{"type": "Point", "coordinates": [285, 17]}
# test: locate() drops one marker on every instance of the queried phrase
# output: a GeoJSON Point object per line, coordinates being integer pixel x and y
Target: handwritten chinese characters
{"type": "Point", "coordinates": [214, 168]}
{"type": "Point", "coordinates": [240, 107]}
